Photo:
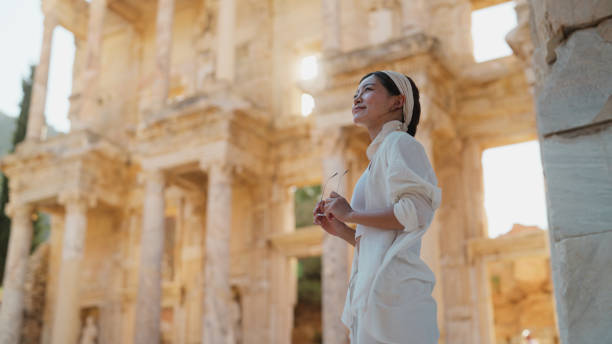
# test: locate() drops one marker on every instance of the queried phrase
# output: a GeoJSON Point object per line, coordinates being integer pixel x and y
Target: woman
{"type": "Point", "coordinates": [389, 295]}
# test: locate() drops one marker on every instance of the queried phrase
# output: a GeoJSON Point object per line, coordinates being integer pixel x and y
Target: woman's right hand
{"type": "Point", "coordinates": [332, 226]}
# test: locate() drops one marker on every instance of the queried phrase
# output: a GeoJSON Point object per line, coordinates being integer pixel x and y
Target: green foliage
{"type": "Point", "coordinates": [7, 128]}
{"type": "Point", "coordinates": [42, 226]}
{"type": "Point", "coordinates": [309, 280]}
{"type": "Point", "coordinates": [306, 199]}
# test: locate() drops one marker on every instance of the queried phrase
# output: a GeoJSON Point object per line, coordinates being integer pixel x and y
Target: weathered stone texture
{"type": "Point", "coordinates": [579, 82]}
{"type": "Point", "coordinates": [583, 288]}
{"type": "Point", "coordinates": [579, 183]}
{"type": "Point", "coordinates": [572, 60]}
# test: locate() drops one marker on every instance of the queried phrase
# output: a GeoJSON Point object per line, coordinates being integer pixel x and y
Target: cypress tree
{"type": "Point", "coordinates": [18, 136]}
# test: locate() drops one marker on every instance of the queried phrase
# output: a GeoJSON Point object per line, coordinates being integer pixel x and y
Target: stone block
{"type": "Point", "coordinates": [551, 16]}
{"type": "Point", "coordinates": [583, 288]}
{"type": "Point", "coordinates": [579, 83]}
{"type": "Point", "coordinates": [578, 173]}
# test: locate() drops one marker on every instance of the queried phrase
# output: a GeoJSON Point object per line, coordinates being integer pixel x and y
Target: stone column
{"type": "Point", "coordinates": [330, 10]}
{"type": "Point", "coordinates": [573, 50]}
{"type": "Point", "coordinates": [93, 60]}
{"type": "Point", "coordinates": [66, 313]}
{"type": "Point", "coordinates": [163, 45]}
{"type": "Point", "coordinates": [413, 16]}
{"type": "Point", "coordinates": [217, 325]}
{"type": "Point", "coordinates": [11, 313]}
{"type": "Point", "coordinates": [430, 245]}
{"type": "Point", "coordinates": [226, 27]}
{"type": "Point", "coordinates": [282, 277]}
{"type": "Point", "coordinates": [335, 263]}
{"type": "Point", "coordinates": [148, 300]}
{"type": "Point", "coordinates": [36, 119]}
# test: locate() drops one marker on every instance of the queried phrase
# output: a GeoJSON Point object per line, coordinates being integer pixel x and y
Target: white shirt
{"type": "Point", "coordinates": [390, 286]}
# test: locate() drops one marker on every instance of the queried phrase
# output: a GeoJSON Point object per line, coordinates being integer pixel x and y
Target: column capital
{"type": "Point", "coordinates": [77, 198]}
{"type": "Point", "coordinates": [155, 175]}
{"type": "Point", "coordinates": [14, 210]}
{"type": "Point", "coordinates": [220, 170]}
{"type": "Point", "coordinates": [50, 20]}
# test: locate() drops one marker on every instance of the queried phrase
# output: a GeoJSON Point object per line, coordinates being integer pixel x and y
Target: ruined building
{"type": "Point", "coordinates": [172, 195]}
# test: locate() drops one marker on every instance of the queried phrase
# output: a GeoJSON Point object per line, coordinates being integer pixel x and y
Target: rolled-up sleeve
{"type": "Point", "coordinates": [411, 183]}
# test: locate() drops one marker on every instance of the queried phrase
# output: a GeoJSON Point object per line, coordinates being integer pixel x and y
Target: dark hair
{"type": "Point", "coordinates": [390, 86]}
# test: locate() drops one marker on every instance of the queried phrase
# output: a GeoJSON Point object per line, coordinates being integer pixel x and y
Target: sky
{"type": "Point", "coordinates": [514, 187]}
{"type": "Point", "coordinates": [21, 25]}
{"type": "Point", "coordinates": [512, 194]}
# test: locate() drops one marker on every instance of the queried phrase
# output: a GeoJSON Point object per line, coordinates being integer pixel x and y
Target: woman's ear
{"type": "Point", "coordinates": [398, 104]}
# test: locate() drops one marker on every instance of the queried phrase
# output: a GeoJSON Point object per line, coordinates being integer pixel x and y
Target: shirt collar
{"type": "Point", "coordinates": [391, 126]}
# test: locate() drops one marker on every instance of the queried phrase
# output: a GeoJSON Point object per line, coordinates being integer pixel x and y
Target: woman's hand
{"type": "Point", "coordinates": [337, 207]}
{"type": "Point", "coordinates": [331, 225]}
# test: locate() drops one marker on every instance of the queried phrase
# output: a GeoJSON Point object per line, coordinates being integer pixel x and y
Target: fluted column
{"type": "Point", "coordinates": [66, 313]}
{"type": "Point", "coordinates": [148, 303]}
{"type": "Point", "coordinates": [163, 46]}
{"type": "Point", "coordinates": [93, 59]}
{"type": "Point", "coordinates": [335, 263]}
{"type": "Point", "coordinates": [36, 118]}
{"type": "Point", "coordinates": [330, 10]}
{"type": "Point", "coordinates": [226, 27]}
{"type": "Point", "coordinates": [11, 313]}
{"type": "Point", "coordinates": [217, 325]}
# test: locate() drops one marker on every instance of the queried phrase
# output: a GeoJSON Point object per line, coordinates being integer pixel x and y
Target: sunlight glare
{"type": "Point", "coordinates": [309, 67]}
{"type": "Point", "coordinates": [308, 104]}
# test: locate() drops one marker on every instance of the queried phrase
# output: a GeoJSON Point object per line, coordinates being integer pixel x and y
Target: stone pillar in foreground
{"type": "Point", "coordinates": [330, 10]}
{"type": "Point", "coordinates": [36, 118]}
{"type": "Point", "coordinates": [335, 265]}
{"type": "Point", "coordinates": [163, 45]}
{"type": "Point", "coordinates": [148, 300]}
{"type": "Point", "coordinates": [217, 325]}
{"type": "Point", "coordinates": [573, 92]}
{"type": "Point", "coordinates": [66, 313]}
{"type": "Point", "coordinates": [226, 28]}
{"type": "Point", "coordinates": [11, 312]}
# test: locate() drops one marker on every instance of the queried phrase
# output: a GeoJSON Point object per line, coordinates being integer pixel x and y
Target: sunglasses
{"type": "Point", "coordinates": [337, 187]}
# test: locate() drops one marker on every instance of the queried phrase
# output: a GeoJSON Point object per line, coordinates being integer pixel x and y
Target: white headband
{"type": "Point", "coordinates": [403, 84]}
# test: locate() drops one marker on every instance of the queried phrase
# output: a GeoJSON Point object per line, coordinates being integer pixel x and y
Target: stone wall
{"type": "Point", "coordinates": [34, 303]}
{"type": "Point", "coordinates": [521, 291]}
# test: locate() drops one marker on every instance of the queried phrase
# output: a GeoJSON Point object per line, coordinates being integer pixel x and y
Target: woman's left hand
{"type": "Point", "coordinates": [337, 207]}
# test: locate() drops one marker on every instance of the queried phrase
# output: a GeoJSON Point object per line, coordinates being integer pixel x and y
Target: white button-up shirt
{"type": "Point", "coordinates": [390, 286]}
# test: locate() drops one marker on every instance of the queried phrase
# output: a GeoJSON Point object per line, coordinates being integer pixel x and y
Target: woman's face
{"type": "Point", "coordinates": [372, 103]}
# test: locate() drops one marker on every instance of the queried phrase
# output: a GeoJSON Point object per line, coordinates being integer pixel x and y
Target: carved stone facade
{"type": "Point", "coordinates": [171, 197]}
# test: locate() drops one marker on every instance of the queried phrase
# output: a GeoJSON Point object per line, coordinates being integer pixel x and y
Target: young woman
{"type": "Point", "coordinates": [389, 295]}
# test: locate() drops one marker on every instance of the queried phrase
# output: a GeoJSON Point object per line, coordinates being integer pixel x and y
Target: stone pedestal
{"type": "Point", "coordinates": [217, 325]}
{"type": "Point", "coordinates": [66, 313]}
{"type": "Point", "coordinates": [163, 44]}
{"type": "Point", "coordinates": [335, 263]}
{"type": "Point", "coordinates": [148, 302]}
{"type": "Point", "coordinates": [36, 119]}
{"type": "Point", "coordinates": [11, 313]}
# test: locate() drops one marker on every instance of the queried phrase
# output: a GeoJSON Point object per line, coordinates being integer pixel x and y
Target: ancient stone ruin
{"type": "Point", "coordinates": [172, 195]}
